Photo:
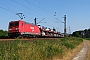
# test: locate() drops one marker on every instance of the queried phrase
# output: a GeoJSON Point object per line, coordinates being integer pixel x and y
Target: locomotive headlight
{"type": "Point", "coordinates": [17, 29]}
{"type": "Point", "coordinates": [10, 29]}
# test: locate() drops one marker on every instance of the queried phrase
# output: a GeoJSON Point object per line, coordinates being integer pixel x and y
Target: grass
{"type": "Point", "coordinates": [86, 38]}
{"type": "Point", "coordinates": [36, 50]}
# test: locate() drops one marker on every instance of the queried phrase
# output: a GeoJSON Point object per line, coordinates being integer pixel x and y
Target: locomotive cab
{"type": "Point", "coordinates": [13, 29]}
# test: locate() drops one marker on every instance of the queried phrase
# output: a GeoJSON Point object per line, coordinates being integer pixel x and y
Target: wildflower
{"type": "Point", "coordinates": [14, 54]}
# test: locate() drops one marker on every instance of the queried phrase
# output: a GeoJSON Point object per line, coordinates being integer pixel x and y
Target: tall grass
{"type": "Point", "coordinates": [36, 50]}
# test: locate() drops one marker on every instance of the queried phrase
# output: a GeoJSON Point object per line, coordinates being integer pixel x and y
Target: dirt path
{"type": "Point", "coordinates": [83, 54]}
{"type": "Point", "coordinates": [88, 42]}
{"type": "Point", "coordinates": [70, 53]}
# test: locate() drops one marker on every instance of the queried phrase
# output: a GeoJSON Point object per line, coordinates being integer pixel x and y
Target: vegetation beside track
{"type": "Point", "coordinates": [38, 49]}
{"type": "Point", "coordinates": [86, 38]}
{"type": "Point", "coordinates": [3, 33]}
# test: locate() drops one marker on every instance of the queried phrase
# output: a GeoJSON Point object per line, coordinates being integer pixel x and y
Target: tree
{"type": "Point", "coordinates": [3, 33]}
{"type": "Point", "coordinates": [82, 33]}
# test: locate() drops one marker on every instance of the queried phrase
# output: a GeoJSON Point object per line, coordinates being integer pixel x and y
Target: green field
{"type": "Point", "coordinates": [37, 50]}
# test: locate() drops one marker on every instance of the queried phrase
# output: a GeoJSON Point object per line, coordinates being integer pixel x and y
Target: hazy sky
{"type": "Point", "coordinates": [76, 11]}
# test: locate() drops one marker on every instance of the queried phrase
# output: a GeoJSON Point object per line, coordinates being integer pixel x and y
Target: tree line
{"type": "Point", "coordinates": [82, 33]}
{"type": "Point", "coordinates": [3, 33]}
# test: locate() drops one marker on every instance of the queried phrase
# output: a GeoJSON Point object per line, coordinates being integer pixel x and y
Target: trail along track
{"type": "Point", "coordinates": [83, 53]}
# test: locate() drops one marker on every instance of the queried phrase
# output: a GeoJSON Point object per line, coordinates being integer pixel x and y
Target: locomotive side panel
{"type": "Point", "coordinates": [21, 27]}
{"type": "Point", "coordinates": [30, 29]}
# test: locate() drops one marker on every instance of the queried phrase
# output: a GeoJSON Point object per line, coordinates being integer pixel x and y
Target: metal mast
{"type": "Point", "coordinates": [35, 21]}
{"type": "Point", "coordinates": [64, 25]}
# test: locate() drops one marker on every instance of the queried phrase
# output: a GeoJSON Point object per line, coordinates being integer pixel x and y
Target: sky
{"type": "Point", "coordinates": [49, 12]}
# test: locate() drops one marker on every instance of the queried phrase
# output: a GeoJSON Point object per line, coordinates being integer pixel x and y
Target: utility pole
{"type": "Point", "coordinates": [69, 30]}
{"type": "Point", "coordinates": [64, 25]}
{"type": "Point", "coordinates": [35, 21]}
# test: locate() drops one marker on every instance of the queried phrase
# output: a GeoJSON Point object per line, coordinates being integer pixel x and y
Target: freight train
{"type": "Point", "coordinates": [21, 28]}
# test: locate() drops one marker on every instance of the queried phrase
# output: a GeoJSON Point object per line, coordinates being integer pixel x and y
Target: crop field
{"type": "Point", "coordinates": [38, 49]}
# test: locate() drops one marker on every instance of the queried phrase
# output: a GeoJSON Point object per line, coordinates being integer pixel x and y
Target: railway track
{"type": "Point", "coordinates": [26, 39]}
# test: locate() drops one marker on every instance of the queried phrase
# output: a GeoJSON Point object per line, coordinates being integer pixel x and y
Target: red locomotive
{"type": "Point", "coordinates": [23, 29]}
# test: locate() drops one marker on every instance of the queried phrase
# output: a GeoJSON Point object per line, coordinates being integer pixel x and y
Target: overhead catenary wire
{"type": "Point", "coordinates": [48, 11]}
{"type": "Point", "coordinates": [59, 20]}
{"type": "Point", "coordinates": [6, 9]}
{"type": "Point", "coordinates": [27, 8]}
{"type": "Point", "coordinates": [38, 6]}
{"type": "Point", "coordinates": [41, 20]}
{"type": "Point", "coordinates": [45, 10]}
{"type": "Point", "coordinates": [12, 10]}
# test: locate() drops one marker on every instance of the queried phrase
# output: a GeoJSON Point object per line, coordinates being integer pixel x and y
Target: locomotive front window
{"type": "Point", "coordinates": [17, 24]}
{"type": "Point", "coordinates": [14, 24]}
